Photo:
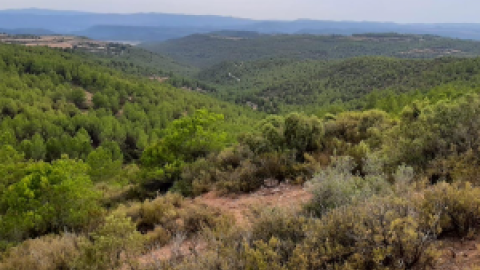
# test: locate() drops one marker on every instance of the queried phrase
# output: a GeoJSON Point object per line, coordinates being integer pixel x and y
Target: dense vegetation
{"type": "Point", "coordinates": [63, 103]}
{"type": "Point", "coordinates": [317, 74]}
{"type": "Point", "coordinates": [282, 85]}
{"type": "Point", "coordinates": [131, 59]}
{"type": "Point", "coordinates": [95, 162]}
{"type": "Point", "coordinates": [204, 50]}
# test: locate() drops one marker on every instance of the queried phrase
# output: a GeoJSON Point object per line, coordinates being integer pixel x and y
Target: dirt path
{"type": "Point", "coordinates": [239, 206]}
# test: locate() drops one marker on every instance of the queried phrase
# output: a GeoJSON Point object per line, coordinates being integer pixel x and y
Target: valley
{"type": "Point", "coordinates": [229, 148]}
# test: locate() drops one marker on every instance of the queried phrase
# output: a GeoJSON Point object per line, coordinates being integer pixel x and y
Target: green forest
{"type": "Point", "coordinates": [204, 50]}
{"type": "Point", "coordinates": [100, 164]}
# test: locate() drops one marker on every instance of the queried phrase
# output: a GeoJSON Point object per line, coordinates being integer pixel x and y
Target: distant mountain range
{"type": "Point", "coordinates": [27, 31]}
{"type": "Point", "coordinates": [159, 26]}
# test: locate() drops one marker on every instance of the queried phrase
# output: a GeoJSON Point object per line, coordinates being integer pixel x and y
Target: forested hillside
{"type": "Point", "coordinates": [283, 85]}
{"type": "Point", "coordinates": [204, 50]}
{"type": "Point", "coordinates": [64, 104]}
{"type": "Point", "coordinates": [101, 162]}
{"type": "Point", "coordinates": [127, 57]}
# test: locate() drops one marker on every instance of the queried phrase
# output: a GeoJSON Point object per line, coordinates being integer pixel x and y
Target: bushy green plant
{"type": "Point", "coordinates": [339, 185]}
{"type": "Point", "coordinates": [114, 244]}
{"type": "Point", "coordinates": [296, 132]}
{"type": "Point", "coordinates": [185, 140]}
{"type": "Point", "coordinates": [284, 226]}
{"type": "Point", "coordinates": [49, 198]}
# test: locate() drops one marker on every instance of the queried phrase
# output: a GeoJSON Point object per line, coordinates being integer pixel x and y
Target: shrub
{"type": "Point", "coordinates": [116, 243]}
{"type": "Point", "coordinates": [285, 226]}
{"type": "Point", "coordinates": [457, 206]}
{"type": "Point", "coordinates": [195, 218]}
{"type": "Point", "coordinates": [381, 234]}
{"type": "Point", "coordinates": [296, 132]}
{"type": "Point", "coordinates": [169, 215]}
{"type": "Point", "coordinates": [337, 185]}
{"type": "Point", "coordinates": [162, 211]}
{"type": "Point", "coordinates": [185, 141]}
{"type": "Point", "coordinates": [351, 128]}
{"type": "Point", "coordinates": [50, 198]}
{"type": "Point", "coordinates": [51, 252]}
{"type": "Point", "coordinates": [158, 237]}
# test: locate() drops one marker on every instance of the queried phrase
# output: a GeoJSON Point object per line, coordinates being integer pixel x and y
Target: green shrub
{"type": "Point", "coordinates": [185, 140]}
{"type": "Point", "coordinates": [49, 198]}
{"type": "Point", "coordinates": [337, 185]}
{"type": "Point", "coordinates": [296, 132]}
{"type": "Point", "coordinates": [115, 244]}
{"type": "Point", "coordinates": [285, 226]}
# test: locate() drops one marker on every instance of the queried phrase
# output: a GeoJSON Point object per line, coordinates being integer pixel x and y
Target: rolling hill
{"type": "Point", "coordinates": [46, 87]}
{"type": "Point", "coordinates": [283, 85]}
{"type": "Point", "coordinates": [204, 50]}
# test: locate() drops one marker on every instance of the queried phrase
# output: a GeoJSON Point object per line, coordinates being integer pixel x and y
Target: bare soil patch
{"type": "Point", "coordinates": [459, 254]}
{"type": "Point", "coordinates": [238, 206]}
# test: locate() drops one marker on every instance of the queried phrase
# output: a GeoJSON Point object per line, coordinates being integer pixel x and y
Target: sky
{"type": "Point", "coordinates": [402, 11]}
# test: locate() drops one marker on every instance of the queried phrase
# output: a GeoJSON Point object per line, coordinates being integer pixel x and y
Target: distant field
{"type": "Point", "coordinates": [63, 42]}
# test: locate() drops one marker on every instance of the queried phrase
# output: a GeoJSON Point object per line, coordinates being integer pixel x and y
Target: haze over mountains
{"type": "Point", "coordinates": [159, 26]}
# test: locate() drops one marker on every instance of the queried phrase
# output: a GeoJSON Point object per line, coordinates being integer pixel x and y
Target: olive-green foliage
{"type": "Point", "coordinates": [295, 132]}
{"type": "Point", "coordinates": [351, 128]}
{"type": "Point", "coordinates": [292, 79]}
{"type": "Point", "coordinates": [48, 198]}
{"type": "Point", "coordinates": [457, 206]}
{"type": "Point", "coordinates": [284, 225]}
{"type": "Point", "coordinates": [102, 165]}
{"type": "Point", "coordinates": [185, 140]}
{"type": "Point", "coordinates": [45, 103]}
{"type": "Point", "coordinates": [114, 244]}
{"type": "Point", "coordinates": [278, 151]}
{"type": "Point", "coordinates": [51, 252]}
{"type": "Point", "coordinates": [166, 216]}
{"type": "Point", "coordinates": [380, 234]}
{"type": "Point", "coordinates": [204, 50]}
{"type": "Point", "coordinates": [397, 231]}
{"type": "Point", "coordinates": [440, 139]}
{"type": "Point", "coordinates": [238, 170]}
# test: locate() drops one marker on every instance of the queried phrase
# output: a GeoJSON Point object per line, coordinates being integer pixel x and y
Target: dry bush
{"type": "Point", "coordinates": [283, 225]}
{"type": "Point", "coordinates": [397, 231]}
{"type": "Point", "coordinates": [158, 237]}
{"type": "Point", "coordinates": [162, 218]}
{"type": "Point", "coordinates": [197, 217]}
{"type": "Point", "coordinates": [51, 252]}
{"type": "Point", "coordinates": [380, 234]}
{"type": "Point", "coordinates": [239, 170]}
{"type": "Point", "coordinates": [162, 211]}
{"type": "Point", "coordinates": [457, 206]}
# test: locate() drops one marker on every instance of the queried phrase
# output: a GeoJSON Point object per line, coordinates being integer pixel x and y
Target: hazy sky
{"type": "Point", "coordinates": [372, 10]}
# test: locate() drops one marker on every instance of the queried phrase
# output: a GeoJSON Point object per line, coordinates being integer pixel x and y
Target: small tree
{"type": "Point", "coordinates": [116, 243]}
{"type": "Point", "coordinates": [102, 165]}
{"type": "Point", "coordinates": [184, 141]}
{"type": "Point", "coordinates": [50, 197]}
